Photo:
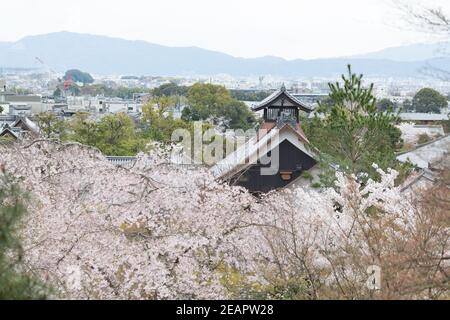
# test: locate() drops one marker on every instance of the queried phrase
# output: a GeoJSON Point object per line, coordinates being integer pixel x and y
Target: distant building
{"type": "Point", "coordinates": [281, 139]}
{"type": "Point", "coordinates": [431, 160]}
{"type": "Point", "coordinates": [15, 98]}
{"type": "Point", "coordinates": [20, 128]}
{"type": "Point", "coordinates": [8, 100]}
{"type": "Point", "coordinates": [24, 124]}
{"type": "Point", "coordinates": [424, 156]}
{"type": "Point", "coordinates": [4, 96]}
{"type": "Point", "coordinates": [311, 98]}
{"type": "Point", "coordinates": [69, 113]}
{"type": "Point", "coordinates": [424, 118]}
{"type": "Point", "coordinates": [20, 109]}
{"type": "Point", "coordinates": [142, 98]}
{"type": "Point", "coordinates": [60, 108]}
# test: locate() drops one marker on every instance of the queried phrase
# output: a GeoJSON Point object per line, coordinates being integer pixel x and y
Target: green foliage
{"type": "Point", "coordinates": [7, 140]}
{"type": "Point", "coordinates": [245, 95]}
{"type": "Point", "coordinates": [170, 89]}
{"type": "Point", "coordinates": [96, 90]}
{"type": "Point", "coordinates": [51, 125]}
{"type": "Point", "coordinates": [204, 101]}
{"type": "Point", "coordinates": [279, 289]}
{"type": "Point", "coordinates": [240, 286]}
{"type": "Point", "coordinates": [353, 134]}
{"type": "Point", "coordinates": [446, 125]}
{"type": "Point", "coordinates": [78, 76]}
{"type": "Point", "coordinates": [125, 93]}
{"type": "Point", "coordinates": [15, 282]}
{"type": "Point", "coordinates": [404, 171]}
{"type": "Point", "coordinates": [57, 93]}
{"type": "Point", "coordinates": [158, 123]}
{"type": "Point", "coordinates": [408, 106]}
{"type": "Point", "coordinates": [429, 101]}
{"type": "Point", "coordinates": [73, 89]}
{"type": "Point", "coordinates": [84, 130]}
{"type": "Point", "coordinates": [424, 138]}
{"type": "Point", "coordinates": [214, 103]}
{"type": "Point", "coordinates": [113, 135]}
{"type": "Point", "coordinates": [316, 185]}
{"type": "Point", "coordinates": [385, 105]}
{"type": "Point", "coordinates": [117, 135]}
{"type": "Point", "coordinates": [290, 289]}
{"type": "Point", "coordinates": [352, 96]}
{"type": "Point", "coordinates": [307, 175]}
{"type": "Point", "coordinates": [1, 109]}
{"type": "Point", "coordinates": [326, 103]}
{"type": "Point", "coordinates": [167, 90]}
{"type": "Point", "coordinates": [104, 90]}
{"type": "Point", "coordinates": [21, 91]}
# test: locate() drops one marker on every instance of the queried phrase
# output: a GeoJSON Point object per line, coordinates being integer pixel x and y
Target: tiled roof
{"type": "Point", "coordinates": [423, 116]}
{"type": "Point", "coordinates": [274, 96]}
{"type": "Point", "coordinates": [266, 127]}
{"type": "Point", "coordinates": [8, 130]}
{"type": "Point", "coordinates": [28, 123]}
{"type": "Point", "coordinates": [247, 154]}
{"type": "Point", "coordinates": [427, 154]}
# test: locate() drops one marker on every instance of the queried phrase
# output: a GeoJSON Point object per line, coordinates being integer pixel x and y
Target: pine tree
{"type": "Point", "coordinates": [350, 132]}
{"type": "Point", "coordinates": [352, 95]}
{"type": "Point", "coordinates": [16, 283]}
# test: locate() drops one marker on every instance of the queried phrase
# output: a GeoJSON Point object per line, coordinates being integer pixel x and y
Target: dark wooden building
{"type": "Point", "coordinates": [278, 155]}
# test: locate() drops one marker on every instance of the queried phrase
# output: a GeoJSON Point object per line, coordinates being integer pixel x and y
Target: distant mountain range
{"type": "Point", "coordinates": [411, 53]}
{"type": "Point", "coordinates": [105, 55]}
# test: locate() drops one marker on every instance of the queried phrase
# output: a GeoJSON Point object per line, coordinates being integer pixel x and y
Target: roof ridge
{"type": "Point", "coordinates": [423, 145]}
{"type": "Point", "coordinates": [264, 103]}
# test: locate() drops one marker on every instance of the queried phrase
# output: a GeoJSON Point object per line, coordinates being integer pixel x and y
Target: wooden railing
{"type": "Point", "coordinates": [129, 162]}
{"type": "Point", "coordinates": [125, 162]}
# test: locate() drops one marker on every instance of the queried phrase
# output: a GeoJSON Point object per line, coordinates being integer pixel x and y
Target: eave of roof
{"type": "Point", "coordinates": [276, 95]}
{"type": "Point", "coordinates": [266, 127]}
{"type": "Point", "coordinates": [227, 167]}
{"type": "Point", "coordinates": [428, 153]}
{"type": "Point", "coordinates": [8, 130]}
{"type": "Point", "coordinates": [423, 116]}
{"type": "Point", "coordinates": [28, 123]}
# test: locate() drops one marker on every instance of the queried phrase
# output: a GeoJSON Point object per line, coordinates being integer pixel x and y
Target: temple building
{"type": "Point", "coordinates": [9, 133]}
{"type": "Point", "coordinates": [278, 155]}
{"type": "Point", "coordinates": [20, 128]}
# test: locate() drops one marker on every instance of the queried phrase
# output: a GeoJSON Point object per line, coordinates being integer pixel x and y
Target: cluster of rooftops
{"type": "Point", "coordinates": [15, 127]}
{"type": "Point", "coordinates": [280, 139]}
{"type": "Point", "coordinates": [281, 133]}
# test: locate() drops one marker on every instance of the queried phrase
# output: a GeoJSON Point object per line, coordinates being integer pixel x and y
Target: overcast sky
{"type": "Point", "coordinates": [244, 28]}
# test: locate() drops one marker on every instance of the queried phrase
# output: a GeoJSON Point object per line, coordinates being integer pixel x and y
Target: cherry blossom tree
{"type": "Point", "coordinates": [164, 231]}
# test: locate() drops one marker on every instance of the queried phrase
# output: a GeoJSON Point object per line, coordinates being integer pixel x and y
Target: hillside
{"type": "Point", "coordinates": [106, 55]}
